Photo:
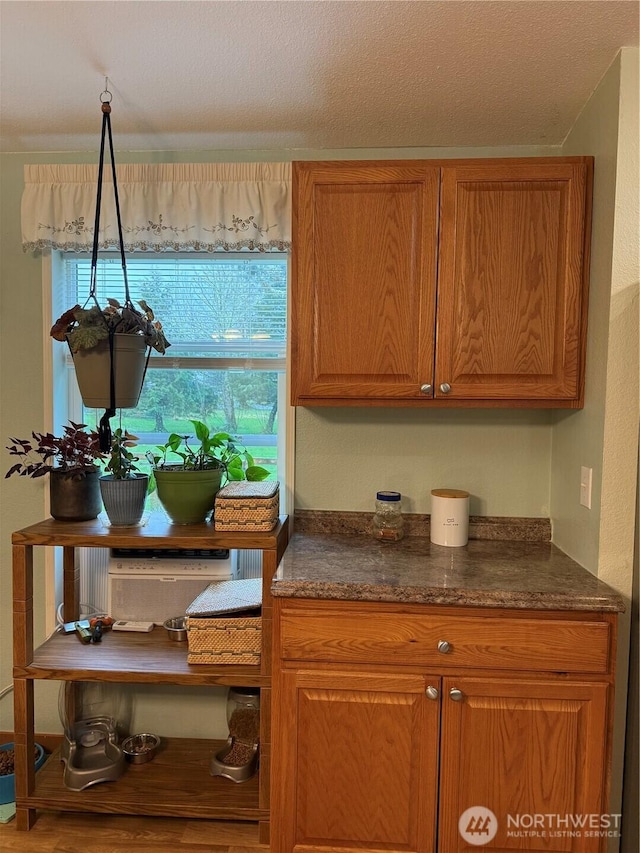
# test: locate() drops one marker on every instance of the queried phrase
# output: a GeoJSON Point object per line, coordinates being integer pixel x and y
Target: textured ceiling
{"type": "Point", "coordinates": [305, 74]}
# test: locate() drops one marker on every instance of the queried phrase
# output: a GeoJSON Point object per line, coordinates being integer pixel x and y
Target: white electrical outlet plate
{"type": "Point", "coordinates": [586, 478]}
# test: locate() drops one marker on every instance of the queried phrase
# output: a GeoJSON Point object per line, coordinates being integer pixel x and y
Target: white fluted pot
{"type": "Point", "coordinates": [124, 500]}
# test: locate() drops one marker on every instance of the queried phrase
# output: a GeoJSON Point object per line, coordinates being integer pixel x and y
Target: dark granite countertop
{"type": "Point", "coordinates": [485, 573]}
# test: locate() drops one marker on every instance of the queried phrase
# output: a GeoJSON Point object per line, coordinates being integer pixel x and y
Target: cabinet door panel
{"type": "Point", "coordinates": [356, 768]}
{"type": "Point", "coordinates": [511, 288]}
{"type": "Point", "coordinates": [523, 749]}
{"type": "Point", "coordinates": [363, 291]}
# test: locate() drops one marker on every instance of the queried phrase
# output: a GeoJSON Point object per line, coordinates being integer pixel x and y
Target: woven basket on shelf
{"type": "Point", "coordinates": [243, 505]}
{"type": "Point", "coordinates": [226, 638]}
{"type": "Point", "coordinates": [236, 640]}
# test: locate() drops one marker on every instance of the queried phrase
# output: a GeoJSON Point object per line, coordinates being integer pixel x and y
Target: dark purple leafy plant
{"type": "Point", "coordinates": [76, 452]}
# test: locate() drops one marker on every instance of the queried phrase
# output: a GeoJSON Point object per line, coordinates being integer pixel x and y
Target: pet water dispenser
{"type": "Point", "coordinates": [95, 718]}
{"type": "Point", "coordinates": [238, 759]}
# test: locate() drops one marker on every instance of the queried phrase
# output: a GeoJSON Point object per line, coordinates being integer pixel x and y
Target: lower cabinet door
{"type": "Point", "coordinates": [522, 766]}
{"type": "Point", "coordinates": [355, 759]}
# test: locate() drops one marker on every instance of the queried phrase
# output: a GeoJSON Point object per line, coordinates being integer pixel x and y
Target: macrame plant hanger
{"type": "Point", "coordinates": [104, 428]}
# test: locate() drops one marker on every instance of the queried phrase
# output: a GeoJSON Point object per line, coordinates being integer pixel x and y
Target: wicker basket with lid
{"type": "Point", "coordinates": [243, 505]}
{"type": "Point", "coordinates": [215, 633]}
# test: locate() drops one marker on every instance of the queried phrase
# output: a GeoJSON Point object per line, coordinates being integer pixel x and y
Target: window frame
{"type": "Point", "coordinates": [62, 400]}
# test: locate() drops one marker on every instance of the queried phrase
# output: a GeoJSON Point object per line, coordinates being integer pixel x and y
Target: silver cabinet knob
{"type": "Point", "coordinates": [456, 694]}
{"type": "Point", "coordinates": [432, 692]}
{"type": "Point", "coordinates": [444, 647]}
{"type": "Point", "coordinates": [426, 389]}
{"type": "Point", "coordinates": [445, 387]}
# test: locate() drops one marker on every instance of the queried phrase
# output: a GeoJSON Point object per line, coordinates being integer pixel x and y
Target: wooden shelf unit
{"type": "Point", "coordinates": [146, 658]}
{"type": "Point", "coordinates": [177, 783]}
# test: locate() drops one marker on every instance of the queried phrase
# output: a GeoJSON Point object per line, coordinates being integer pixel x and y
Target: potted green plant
{"type": "Point", "coordinates": [123, 487]}
{"type": "Point", "coordinates": [187, 489]}
{"type": "Point", "coordinates": [92, 332]}
{"type": "Point", "coordinates": [69, 460]}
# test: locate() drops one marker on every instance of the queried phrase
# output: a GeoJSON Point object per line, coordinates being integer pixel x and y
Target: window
{"type": "Point", "coordinates": [225, 317]}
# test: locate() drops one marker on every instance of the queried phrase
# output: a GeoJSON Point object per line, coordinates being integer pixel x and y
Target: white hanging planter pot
{"type": "Point", "coordinates": [93, 371]}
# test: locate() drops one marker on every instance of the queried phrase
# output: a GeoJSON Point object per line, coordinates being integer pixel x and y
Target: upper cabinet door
{"type": "Point", "coordinates": [363, 281]}
{"type": "Point", "coordinates": [512, 282]}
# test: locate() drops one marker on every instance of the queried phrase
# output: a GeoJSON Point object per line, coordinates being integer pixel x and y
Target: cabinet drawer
{"type": "Point", "coordinates": [474, 641]}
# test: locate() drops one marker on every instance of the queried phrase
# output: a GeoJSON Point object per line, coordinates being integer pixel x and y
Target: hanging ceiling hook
{"type": "Point", "coordinates": [106, 96]}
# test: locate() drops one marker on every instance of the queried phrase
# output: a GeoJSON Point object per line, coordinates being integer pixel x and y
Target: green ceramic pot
{"type": "Point", "coordinates": [187, 496]}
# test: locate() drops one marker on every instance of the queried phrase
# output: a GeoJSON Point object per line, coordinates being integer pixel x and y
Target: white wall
{"type": "Point", "coordinates": [578, 436]}
{"type": "Point", "coordinates": [604, 435]}
{"type": "Point", "coordinates": [345, 455]}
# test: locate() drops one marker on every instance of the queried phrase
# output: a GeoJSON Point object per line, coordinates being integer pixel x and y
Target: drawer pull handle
{"type": "Point", "coordinates": [426, 388]}
{"type": "Point", "coordinates": [445, 387]}
{"type": "Point", "coordinates": [456, 695]}
{"type": "Point", "coordinates": [432, 692]}
{"type": "Point", "coordinates": [444, 647]}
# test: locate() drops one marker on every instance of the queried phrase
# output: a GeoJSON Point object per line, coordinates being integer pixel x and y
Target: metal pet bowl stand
{"type": "Point", "coordinates": [92, 755]}
{"type": "Point", "coordinates": [235, 772]}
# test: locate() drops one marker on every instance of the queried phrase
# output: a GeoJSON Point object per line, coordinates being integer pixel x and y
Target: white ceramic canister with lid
{"type": "Point", "coordinates": [449, 517]}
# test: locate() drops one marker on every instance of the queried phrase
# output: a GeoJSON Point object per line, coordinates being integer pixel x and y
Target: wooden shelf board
{"type": "Point", "coordinates": [133, 658]}
{"type": "Point", "coordinates": [176, 783]}
{"type": "Point", "coordinates": [157, 533]}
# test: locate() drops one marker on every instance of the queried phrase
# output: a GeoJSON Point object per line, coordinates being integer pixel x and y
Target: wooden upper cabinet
{"type": "Point", "coordinates": [364, 280]}
{"type": "Point", "coordinates": [500, 246]}
{"type": "Point", "coordinates": [511, 281]}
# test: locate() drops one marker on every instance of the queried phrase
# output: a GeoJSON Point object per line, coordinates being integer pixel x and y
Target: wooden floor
{"type": "Point", "coordinates": [56, 832]}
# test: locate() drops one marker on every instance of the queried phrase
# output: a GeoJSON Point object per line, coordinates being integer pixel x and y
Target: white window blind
{"type": "Point", "coordinates": [221, 312]}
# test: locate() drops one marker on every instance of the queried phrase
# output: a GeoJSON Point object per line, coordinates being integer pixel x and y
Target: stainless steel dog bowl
{"type": "Point", "coordinates": [176, 628]}
{"type": "Point", "coordinates": [139, 749]}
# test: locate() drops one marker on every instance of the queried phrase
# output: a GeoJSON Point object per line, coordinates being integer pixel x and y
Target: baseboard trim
{"type": "Point", "coordinates": [48, 741]}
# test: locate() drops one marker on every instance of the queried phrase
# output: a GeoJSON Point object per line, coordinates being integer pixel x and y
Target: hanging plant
{"type": "Point", "coordinates": [110, 345]}
{"type": "Point", "coordinates": [85, 328]}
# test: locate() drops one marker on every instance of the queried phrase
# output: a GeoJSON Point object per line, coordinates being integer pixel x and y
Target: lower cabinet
{"type": "Point", "coordinates": [358, 763]}
{"type": "Point", "coordinates": [532, 752]}
{"type": "Point", "coordinates": [383, 758]}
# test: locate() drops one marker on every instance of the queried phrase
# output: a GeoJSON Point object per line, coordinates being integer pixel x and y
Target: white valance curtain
{"type": "Point", "coordinates": [204, 207]}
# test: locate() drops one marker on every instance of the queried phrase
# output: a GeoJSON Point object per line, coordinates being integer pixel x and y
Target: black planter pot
{"type": "Point", "coordinates": [75, 496]}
